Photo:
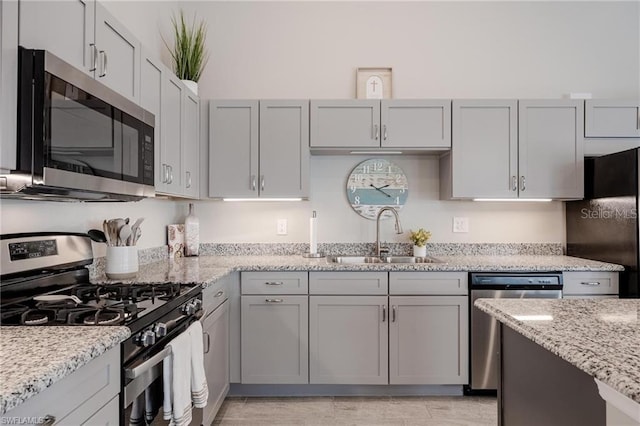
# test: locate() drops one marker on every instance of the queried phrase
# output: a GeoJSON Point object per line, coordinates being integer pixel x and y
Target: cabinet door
{"type": "Point", "coordinates": [233, 149]}
{"type": "Point", "coordinates": [428, 340]}
{"type": "Point", "coordinates": [284, 148]}
{"type": "Point", "coordinates": [345, 124]}
{"type": "Point", "coordinates": [65, 28]}
{"type": "Point", "coordinates": [416, 123]}
{"type": "Point", "coordinates": [551, 149]}
{"type": "Point", "coordinates": [8, 83]}
{"type": "Point", "coordinates": [191, 144]}
{"type": "Point", "coordinates": [275, 338]}
{"type": "Point", "coordinates": [171, 145]}
{"type": "Point", "coordinates": [484, 149]}
{"type": "Point", "coordinates": [216, 359]}
{"type": "Point", "coordinates": [151, 70]}
{"type": "Point", "coordinates": [612, 118]}
{"type": "Point", "coordinates": [109, 415]}
{"type": "Point", "coordinates": [118, 55]}
{"type": "Point", "coordinates": [348, 340]}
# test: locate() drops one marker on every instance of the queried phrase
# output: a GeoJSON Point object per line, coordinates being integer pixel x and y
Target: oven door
{"type": "Point", "coordinates": [143, 384]}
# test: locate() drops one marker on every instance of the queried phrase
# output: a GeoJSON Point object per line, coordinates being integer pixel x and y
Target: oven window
{"type": "Point", "coordinates": [86, 135]}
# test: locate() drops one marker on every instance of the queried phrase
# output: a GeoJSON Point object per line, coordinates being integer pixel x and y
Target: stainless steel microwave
{"type": "Point", "coordinates": [77, 139]}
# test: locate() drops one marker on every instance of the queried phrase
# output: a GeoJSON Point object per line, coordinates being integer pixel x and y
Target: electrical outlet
{"type": "Point", "coordinates": [281, 227]}
{"type": "Point", "coordinates": [460, 224]}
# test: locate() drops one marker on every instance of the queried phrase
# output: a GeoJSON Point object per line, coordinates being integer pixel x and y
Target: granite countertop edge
{"type": "Point", "coordinates": [26, 376]}
{"type": "Point", "coordinates": [583, 358]}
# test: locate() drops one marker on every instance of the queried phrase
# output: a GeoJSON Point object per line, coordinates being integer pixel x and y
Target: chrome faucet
{"type": "Point", "coordinates": [398, 228]}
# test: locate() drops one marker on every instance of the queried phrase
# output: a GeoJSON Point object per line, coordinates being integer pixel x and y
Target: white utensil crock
{"type": "Point", "coordinates": [122, 262]}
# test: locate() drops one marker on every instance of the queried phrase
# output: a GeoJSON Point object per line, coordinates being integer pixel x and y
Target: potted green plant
{"type": "Point", "coordinates": [419, 239]}
{"type": "Point", "coordinates": [188, 53]}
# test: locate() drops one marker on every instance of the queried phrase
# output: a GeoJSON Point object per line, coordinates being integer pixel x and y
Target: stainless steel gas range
{"type": "Point", "coordinates": [45, 282]}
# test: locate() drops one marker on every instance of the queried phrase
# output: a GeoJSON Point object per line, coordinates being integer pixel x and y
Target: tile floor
{"type": "Point", "coordinates": [369, 411]}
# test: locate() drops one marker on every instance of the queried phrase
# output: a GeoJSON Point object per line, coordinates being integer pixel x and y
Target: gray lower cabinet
{"type": "Point", "coordinates": [216, 357]}
{"type": "Point", "coordinates": [87, 396]}
{"type": "Point", "coordinates": [609, 118]}
{"type": "Point", "coordinates": [415, 124]}
{"type": "Point", "coordinates": [259, 149]}
{"type": "Point", "coordinates": [515, 149]}
{"type": "Point", "coordinates": [590, 285]}
{"type": "Point", "coordinates": [348, 340]}
{"type": "Point", "coordinates": [274, 346]}
{"type": "Point", "coordinates": [427, 342]}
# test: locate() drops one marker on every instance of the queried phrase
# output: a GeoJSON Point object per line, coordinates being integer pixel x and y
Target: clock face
{"type": "Point", "coordinates": [374, 184]}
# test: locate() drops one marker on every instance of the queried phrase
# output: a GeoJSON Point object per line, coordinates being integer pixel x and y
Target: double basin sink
{"type": "Point", "coordinates": [381, 259]}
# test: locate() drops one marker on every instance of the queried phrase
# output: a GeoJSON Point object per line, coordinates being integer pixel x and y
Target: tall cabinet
{"type": "Point", "coordinates": [8, 83]}
{"type": "Point", "coordinates": [515, 149]}
{"type": "Point", "coordinates": [259, 149]}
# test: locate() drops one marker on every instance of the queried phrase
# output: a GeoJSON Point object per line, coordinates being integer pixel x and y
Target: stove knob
{"type": "Point", "coordinates": [160, 329]}
{"type": "Point", "coordinates": [198, 304]}
{"type": "Point", "coordinates": [189, 309]}
{"type": "Point", "coordinates": [148, 338]}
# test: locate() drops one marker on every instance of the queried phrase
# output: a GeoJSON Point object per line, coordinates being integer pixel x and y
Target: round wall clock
{"type": "Point", "coordinates": [374, 184]}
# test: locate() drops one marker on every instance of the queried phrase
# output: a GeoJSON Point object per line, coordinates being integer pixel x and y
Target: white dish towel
{"type": "Point", "coordinates": [184, 379]}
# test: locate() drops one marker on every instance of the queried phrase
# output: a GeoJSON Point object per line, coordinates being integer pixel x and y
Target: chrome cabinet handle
{"type": "Point", "coordinates": [262, 183]}
{"type": "Point", "coordinates": [523, 185]}
{"type": "Point", "coordinates": [253, 182]}
{"type": "Point", "coordinates": [393, 313]}
{"type": "Point", "coordinates": [274, 300]}
{"type": "Point", "coordinates": [48, 420]}
{"type": "Point", "coordinates": [94, 56]}
{"type": "Point", "coordinates": [104, 63]}
{"type": "Point", "coordinates": [638, 121]}
{"type": "Point", "coordinates": [188, 179]}
{"type": "Point", "coordinates": [208, 345]}
{"type": "Point", "coordinates": [514, 183]}
{"type": "Point", "coordinates": [170, 174]}
{"type": "Point", "coordinates": [384, 313]}
{"type": "Point", "coordinates": [376, 132]}
{"type": "Point", "coordinates": [274, 283]}
{"type": "Point", "coordinates": [591, 283]}
{"type": "Point", "coordinates": [218, 294]}
{"type": "Point", "coordinates": [384, 132]}
{"type": "Point", "coordinates": [164, 173]}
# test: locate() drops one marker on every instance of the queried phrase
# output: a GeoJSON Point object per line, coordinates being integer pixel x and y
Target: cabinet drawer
{"type": "Point", "coordinates": [274, 282]}
{"type": "Point", "coordinates": [86, 390]}
{"type": "Point", "coordinates": [576, 283]}
{"type": "Point", "coordinates": [449, 283]}
{"type": "Point", "coordinates": [215, 294]}
{"type": "Point", "coordinates": [348, 282]}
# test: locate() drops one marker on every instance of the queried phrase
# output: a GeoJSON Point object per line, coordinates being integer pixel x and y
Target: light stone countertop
{"type": "Point", "coordinates": [34, 358]}
{"type": "Point", "coordinates": [600, 337]}
{"type": "Point", "coordinates": [22, 349]}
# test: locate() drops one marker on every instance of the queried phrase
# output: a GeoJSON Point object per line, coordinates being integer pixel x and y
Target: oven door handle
{"type": "Point", "coordinates": [132, 373]}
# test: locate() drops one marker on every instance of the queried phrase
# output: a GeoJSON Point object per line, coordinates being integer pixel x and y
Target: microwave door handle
{"type": "Point", "coordinates": [132, 373]}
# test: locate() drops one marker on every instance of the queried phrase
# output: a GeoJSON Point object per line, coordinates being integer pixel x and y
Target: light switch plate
{"type": "Point", "coordinates": [281, 228]}
{"type": "Point", "coordinates": [460, 224]}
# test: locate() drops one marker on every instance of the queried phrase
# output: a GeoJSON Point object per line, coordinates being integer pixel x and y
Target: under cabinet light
{"type": "Point", "coordinates": [513, 199]}
{"type": "Point", "coordinates": [376, 152]}
{"type": "Point", "coordinates": [262, 199]}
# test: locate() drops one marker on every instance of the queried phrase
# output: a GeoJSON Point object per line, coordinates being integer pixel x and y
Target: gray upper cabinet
{"type": "Point", "coordinates": [65, 28]}
{"type": "Point", "coordinates": [191, 144]}
{"type": "Point", "coordinates": [345, 124]}
{"type": "Point", "coordinates": [171, 120]}
{"type": "Point", "coordinates": [151, 81]}
{"type": "Point", "coordinates": [8, 83]}
{"type": "Point", "coordinates": [84, 34]}
{"type": "Point", "coordinates": [551, 149]}
{"type": "Point", "coordinates": [118, 55]}
{"type": "Point", "coordinates": [423, 123]}
{"type": "Point", "coordinates": [259, 149]}
{"type": "Point", "coordinates": [612, 118]}
{"type": "Point", "coordinates": [390, 123]}
{"type": "Point", "coordinates": [514, 149]}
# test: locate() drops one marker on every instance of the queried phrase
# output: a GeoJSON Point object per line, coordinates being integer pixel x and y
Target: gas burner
{"type": "Point", "coordinates": [12, 311]}
{"type": "Point", "coordinates": [37, 317]}
{"type": "Point", "coordinates": [104, 317]}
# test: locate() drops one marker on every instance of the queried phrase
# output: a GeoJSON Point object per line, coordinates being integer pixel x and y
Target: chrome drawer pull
{"type": "Point", "coordinates": [591, 283]}
{"type": "Point", "coordinates": [218, 294]}
{"type": "Point", "coordinates": [514, 183]}
{"type": "Point", "coordinates": [384, 313]}
{"type": "Point", "coordinates": [274, 300]}
{"type": "Point", "coordinates": [48, 420]}
{"type": "Point", "coordinates": [393, 313]}
{"type": "Point", "coordinates": [274, 283]}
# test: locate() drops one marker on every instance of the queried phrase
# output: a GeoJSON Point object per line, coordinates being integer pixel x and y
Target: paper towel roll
{"type": "Point", "coordinates": [313, 234]}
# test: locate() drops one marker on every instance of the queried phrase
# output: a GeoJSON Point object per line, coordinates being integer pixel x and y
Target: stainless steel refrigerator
{"type": "Point", "coordinates": [604, 226]}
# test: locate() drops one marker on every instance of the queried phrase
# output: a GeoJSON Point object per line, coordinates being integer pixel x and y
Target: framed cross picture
{"type": "Point", "coordinates": [373, 83]}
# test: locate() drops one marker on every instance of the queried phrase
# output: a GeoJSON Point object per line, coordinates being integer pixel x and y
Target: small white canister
{"type": "Point", "coordinates": [122, 262]}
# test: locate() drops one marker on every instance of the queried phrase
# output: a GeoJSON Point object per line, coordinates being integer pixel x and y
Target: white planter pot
{"type": "Point", "coordinates": [419, 251]}
{"type": "Point", "coordinates": [191, 85]}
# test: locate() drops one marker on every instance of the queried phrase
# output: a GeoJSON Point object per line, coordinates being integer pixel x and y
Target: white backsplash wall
{"type": "Point", "coordinates": [337, 222]}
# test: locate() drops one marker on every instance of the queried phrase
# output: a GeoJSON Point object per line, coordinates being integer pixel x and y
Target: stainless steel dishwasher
{"type": "Point", "coordinates": [484, 330]}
